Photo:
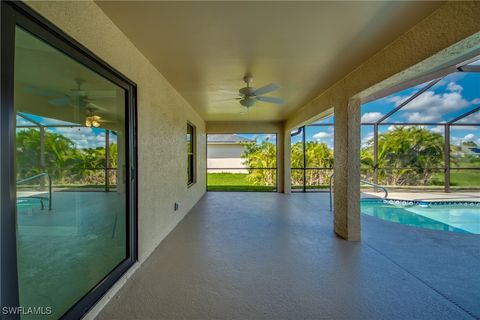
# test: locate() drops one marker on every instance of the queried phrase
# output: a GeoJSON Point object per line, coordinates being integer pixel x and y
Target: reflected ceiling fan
{"type": "Point", "coordinates": [92, 119]}
{"type": "Point", "coordinates": [79, 99]}
{"type": "Point", "coordinates": [249, 95]}
{"type": "Point", "coordinates": [76, 96]}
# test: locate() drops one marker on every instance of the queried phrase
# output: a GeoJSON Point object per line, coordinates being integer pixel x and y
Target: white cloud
{"type": "Point", "coordinates": [452, 86]}
{"type": "Point", "coordinates": [473, 118]}
{"type": "Point", "coordinates": [366, 140]}
{"type": "Point", "coordinates": [83, 137]}
{"type": "Point", "coordinates": [422, 117]}
{"type": "Point", "coordinates": [469, 137]}
{"type": "Point", "coordinates": [463, 128]}
{"type": "Point", "coordinates": [476, 101]}
{"type": "Point", "coordinates": [437, 129]}
{"type": "Point", "coordinates": [371, 116]}
{"type": "Point", "coordinates": [398, 100]}
{"type": "Point", "coordinates": [437, 103]}
{"type": "Point", "coordinates": [429, 107]}
{"type": "Point", "coordinates": [322, 135]}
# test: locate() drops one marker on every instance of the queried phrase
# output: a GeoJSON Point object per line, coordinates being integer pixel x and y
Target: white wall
{"type": "Point", "coordinates": [224, 157]}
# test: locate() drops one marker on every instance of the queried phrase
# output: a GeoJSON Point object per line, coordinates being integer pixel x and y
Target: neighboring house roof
{"type": "Point", "coordinates": [226, 138]}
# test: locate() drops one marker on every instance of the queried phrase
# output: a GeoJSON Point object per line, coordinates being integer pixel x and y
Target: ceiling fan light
{"type": "Point", "coordinates": [88, 123]}
{"type": "Point", "coordinates": [95, 124]}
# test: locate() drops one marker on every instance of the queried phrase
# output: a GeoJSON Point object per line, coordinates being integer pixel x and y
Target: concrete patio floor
{"type": "Point", "coordinates": [275, 256]}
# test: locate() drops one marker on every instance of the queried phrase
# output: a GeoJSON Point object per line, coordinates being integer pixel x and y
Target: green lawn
{"type": "Point", "coordinates": [465, 178]}
{"type": "Point", "coordinates": [233, 182]}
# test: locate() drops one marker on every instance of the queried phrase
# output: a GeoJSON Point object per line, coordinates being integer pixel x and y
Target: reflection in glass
{"type": "Point", "coordinates": [70, 134]}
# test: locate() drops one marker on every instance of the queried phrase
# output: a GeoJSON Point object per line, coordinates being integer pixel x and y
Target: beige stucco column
{"type": "Point", "coordinates": [346, 213]}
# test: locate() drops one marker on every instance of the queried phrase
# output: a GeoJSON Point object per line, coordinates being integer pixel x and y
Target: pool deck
{"type": "Point", "coordinates": [430, 196]}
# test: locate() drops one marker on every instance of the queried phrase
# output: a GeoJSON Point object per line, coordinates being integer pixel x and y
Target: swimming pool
{"type": "Point", "coordinates": [455, 216]}
{"type": "Point", "coordinates": [27, 203]}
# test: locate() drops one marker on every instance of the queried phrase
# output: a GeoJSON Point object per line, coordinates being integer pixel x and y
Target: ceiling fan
{"type": "Point", "coordinates": [76, 96]}
{"type": "Point", "coordinates": [92, 119]}
{"type": "Point", "coordinates": [249, 95]}
{"type": "Point", "coordinates": [79, 99]}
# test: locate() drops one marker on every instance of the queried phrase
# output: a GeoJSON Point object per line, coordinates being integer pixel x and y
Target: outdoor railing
{"type": "Point", "coordinates": [362, 181]}
{"type": "Point", "coordinates": [49, 187]}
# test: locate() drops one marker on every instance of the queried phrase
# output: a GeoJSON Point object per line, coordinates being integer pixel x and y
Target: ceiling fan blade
{"type": "Point", "coordinates": [273, 100]}
{"type": "Point", "coordinates": [41, 92]}
{"type": "Point", "coordinates": [225, 100]}
{"type": "Point", "coordinates": [266, 89]}
{"type": "Point", "coordinates": [100, 94]}
{"type": "Point", "coordinates": [63, 101]}
{"type": "Point", "coordinates": [96, 106]}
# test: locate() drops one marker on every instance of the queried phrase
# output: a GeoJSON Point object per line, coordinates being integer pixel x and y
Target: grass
{"type": "Point", "coordinates": [465, 178]}
{"type": "Point", "coordinates": [233, 182]}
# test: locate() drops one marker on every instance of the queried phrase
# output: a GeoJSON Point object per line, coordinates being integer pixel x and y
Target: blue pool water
{"type": "Point", "coordinates": [447, 216]}
{"type": "Point", "coordinates": [26, 203]}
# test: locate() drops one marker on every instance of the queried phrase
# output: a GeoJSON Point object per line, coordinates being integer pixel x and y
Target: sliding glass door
{"type": "Point", "coordinates": [73, 198]}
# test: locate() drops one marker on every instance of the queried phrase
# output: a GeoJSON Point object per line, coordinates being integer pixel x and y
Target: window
{"type": "Point", "coordinates": [191, 150]}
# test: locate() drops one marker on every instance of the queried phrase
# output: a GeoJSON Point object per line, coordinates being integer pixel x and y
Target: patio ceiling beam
{"type": "Point", "coordinates": [403, 104]}
{"type": "Point", "coordinates": [464, 115]}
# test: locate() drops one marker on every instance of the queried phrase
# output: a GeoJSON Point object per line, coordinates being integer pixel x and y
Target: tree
{"type": "Point", "coordinates": [263, 155]}
{"type": "Point", "coordinates": [65, 163]}
{"type": "Point", "coordinates": [257, 156]}
{"type": "Point", "coordinates": [406, 156]}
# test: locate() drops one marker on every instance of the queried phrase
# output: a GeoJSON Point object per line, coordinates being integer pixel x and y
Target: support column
{"type": "Point", "coordinates": [121, 168]}
{"type": "Point", "coordinates": [304, 160]}
{"type": "Point", "coordinates": [446, 158]}
{"type": "Point", "coordinates": [287, 164]}
{"type": "Point", "coordinates": [107, 160]}
{"type": "Point", "coordinates": [346, 213]}
{"type": "Point", "coordinates": [42, 156]}
{"type": "Point", "coordinates": [280, 161]}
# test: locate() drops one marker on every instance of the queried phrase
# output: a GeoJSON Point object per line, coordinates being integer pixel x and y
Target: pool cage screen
{"type": "Point", "coordinates": [445, 166]}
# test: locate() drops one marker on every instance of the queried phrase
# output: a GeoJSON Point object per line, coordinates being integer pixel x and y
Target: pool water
{"type": "Point", "coordinates": [27, 203]}
{"type": "Point", "coordinates": [461, 217]}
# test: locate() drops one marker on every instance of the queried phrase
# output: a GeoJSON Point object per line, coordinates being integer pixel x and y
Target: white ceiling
{"type": "Point", "coordinates": [205, 48]}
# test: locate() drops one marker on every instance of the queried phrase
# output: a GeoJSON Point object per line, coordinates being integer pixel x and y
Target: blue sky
{"type": "Point", "coordinates": [260, 137]}
{"type": "Point", "coordinates": [454, 95]}
{"type": "Point", "coordinates": [83, 137]}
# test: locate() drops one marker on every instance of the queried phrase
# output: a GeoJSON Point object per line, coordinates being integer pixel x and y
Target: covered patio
{"type": "Point", "coordinates": [108, 109]}
{"type": "Point", "coordinates": [275, 256]}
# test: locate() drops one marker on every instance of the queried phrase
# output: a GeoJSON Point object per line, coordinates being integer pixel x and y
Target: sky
{"type": "Point", "coordinates": [454, 95]}
{"type": "Point", "coordinates": [259, 137]}
{"type": "Point", "coordinates": [83, 137]}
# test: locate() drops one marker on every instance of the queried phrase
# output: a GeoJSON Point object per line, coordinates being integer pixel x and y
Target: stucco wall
{"type": "Point", "coordinates": [162, 120]}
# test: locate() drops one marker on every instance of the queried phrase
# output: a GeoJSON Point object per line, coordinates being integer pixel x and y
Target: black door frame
{"type": "Point", "coordinates": [18, 14]}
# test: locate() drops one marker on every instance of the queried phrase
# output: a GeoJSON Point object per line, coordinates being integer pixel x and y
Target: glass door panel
{"type": "Point", "coordinates": [70, 165]}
